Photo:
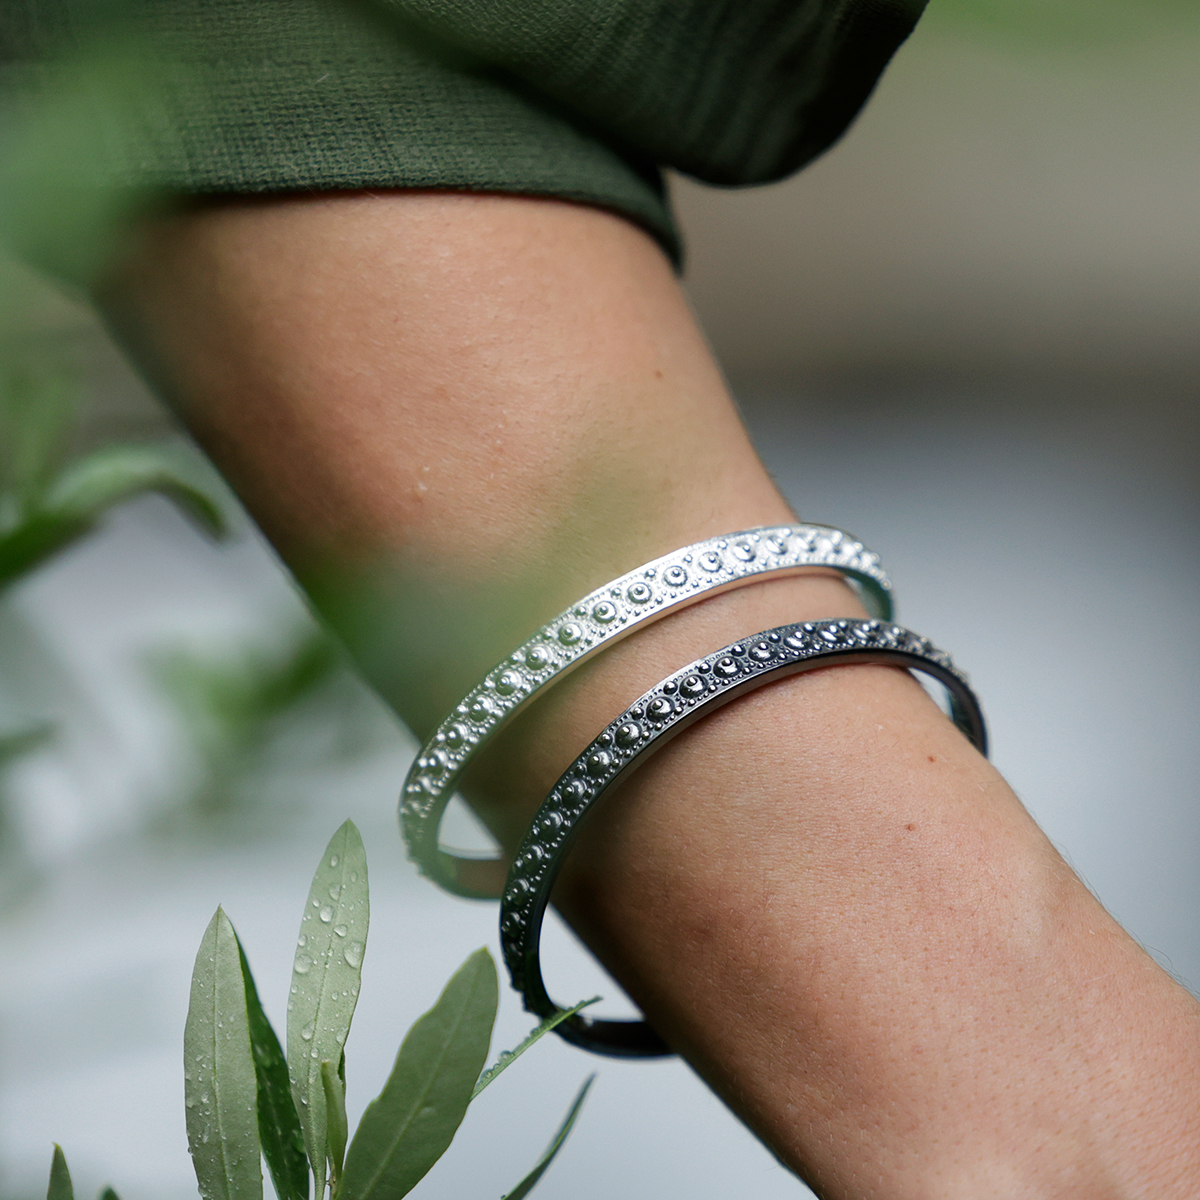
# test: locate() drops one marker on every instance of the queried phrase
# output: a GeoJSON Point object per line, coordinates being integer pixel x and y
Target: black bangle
{"type": "Point", "coordinates": [662, 713]}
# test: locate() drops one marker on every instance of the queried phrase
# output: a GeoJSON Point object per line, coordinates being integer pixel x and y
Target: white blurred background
{"type": "Point", "coordinates": [969, 334]}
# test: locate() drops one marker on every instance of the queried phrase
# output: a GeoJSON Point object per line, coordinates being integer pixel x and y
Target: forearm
{"type": "Point", "coordinates": [453, 415]}
{"type": "Point", "coordinates": [484, 411]}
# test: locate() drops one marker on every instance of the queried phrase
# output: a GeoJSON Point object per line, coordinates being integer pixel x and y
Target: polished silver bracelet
{"type": "Point", "coordinates": [597, 621]}
{"type": "Point", "coordinates": [644, 728]}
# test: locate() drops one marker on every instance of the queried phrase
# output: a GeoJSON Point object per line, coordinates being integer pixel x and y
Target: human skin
{"type": "Point", "coordinates": [453, 415]}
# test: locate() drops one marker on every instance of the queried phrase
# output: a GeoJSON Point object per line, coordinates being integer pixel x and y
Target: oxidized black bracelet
{"type": "Point", "coordinates": [590, 625]}
{"type": "Point", "coordinates": [662, 713]}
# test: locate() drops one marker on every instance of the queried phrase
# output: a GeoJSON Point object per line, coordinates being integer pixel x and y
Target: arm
{"type": "Point", "coordinates": [453, 415]}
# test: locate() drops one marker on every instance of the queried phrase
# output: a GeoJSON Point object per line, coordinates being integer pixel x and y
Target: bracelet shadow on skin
{"type": "Point", "coordinates": [246, 1100]}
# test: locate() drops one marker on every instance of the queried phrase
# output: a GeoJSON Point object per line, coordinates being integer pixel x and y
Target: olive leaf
{"type": "Point", "coordinates": [508, 1057]}
{"type": "Point", "coordinates": [278, 1125]}
{"type": "Point", "coordinates": [335, 1120]}
{"type": "Point", "coordinates": [60, 1178]}
{"type": "Point", "coordinates": [93, 484]}
{"type": "Point", "coordinates": [221, 1087]}
{"type": "Point", "coordinates": [74, 503]}
{"type": "Point", "coordinates": [326, 976]}
{"type": "Point", "coordinates": [36, 540]}
{"type": "Point", "coordinates": [45, 507]}
{"type": "Point", "coordinates": [37, 412]}
{"type": "Point", "coordinates": [407, 1128]}
{"type": "Point", "coordinates": [531, 1180]}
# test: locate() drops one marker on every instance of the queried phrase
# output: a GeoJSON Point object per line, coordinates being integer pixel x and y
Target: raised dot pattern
{"type": "Point", "coordinates": [607, 613]}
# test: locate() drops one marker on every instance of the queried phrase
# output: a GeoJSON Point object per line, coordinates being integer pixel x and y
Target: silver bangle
{"type": "Point", "coordinates": [644, 728]}
{"type": "Point", "coordinates": [597, 621]}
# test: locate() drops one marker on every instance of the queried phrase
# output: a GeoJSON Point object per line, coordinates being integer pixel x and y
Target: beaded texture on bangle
{"type": "Point", "coordinates": [649, 724]}
{"type": "Point", "coordinates": [592, 624]}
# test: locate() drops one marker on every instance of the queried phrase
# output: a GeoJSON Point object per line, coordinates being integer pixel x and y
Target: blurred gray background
{"type": "Point", "coordinates": [969, 334]}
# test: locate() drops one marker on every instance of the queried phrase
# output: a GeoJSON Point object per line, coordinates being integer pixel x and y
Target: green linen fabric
{"type": "Point", "coordinates": [580, 100]}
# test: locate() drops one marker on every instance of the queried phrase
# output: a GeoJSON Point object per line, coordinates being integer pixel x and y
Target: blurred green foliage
{"type": "Point", "coordinates": [68, 151]}
{"type": "Point", "coordinates": [254, 716]}
{"type": "Point", "coordinates": [235, 705]}
{"type": "Point", "coordinates": [51, 496]}
{"type": "Point", "coordinates": [15, 869]}
{"type": "Point", "coordinates": [1066, 26]}
{"type": "Point", "coordinates": [47, 500]}
{"type": "Point", "coordinates": [257, 716]}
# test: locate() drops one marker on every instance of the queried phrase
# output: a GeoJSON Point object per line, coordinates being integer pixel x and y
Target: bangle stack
{"type": "Point", "coordinates": [597, 621]}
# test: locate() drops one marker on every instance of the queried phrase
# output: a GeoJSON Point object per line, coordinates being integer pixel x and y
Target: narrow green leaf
{"type": "Point", "coordinates": [109, 1194]}
{"type": "Point", "coordinates": [278, 1125]}
{"type": "Point", "coordinates": [335, 1119]}
{"type": "Point", "coordinates": [81, 495]}
{"type": "Point", "coordinates": [60, 1178]}
{"type": "Point", "coordinates": [407, 1128]}
{"type": "Point", "coordinates": [37, 410]}
{"type": "Point", "coordinates": [221, 1089]}
{"type": "Point", "coordinates": [531, 1180]}
{"type": "Point", "coordinates": [325, 982]}
{"type": "Point", "coordinates": [31, 543]}
{"type": "Point", "coordinates": [90, 486]}
{"type": "Point", "coordinates": [508, 1057]}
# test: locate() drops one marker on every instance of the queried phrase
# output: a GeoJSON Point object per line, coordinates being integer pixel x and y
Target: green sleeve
{"type": "Point", "coordinates": [107, 103]}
